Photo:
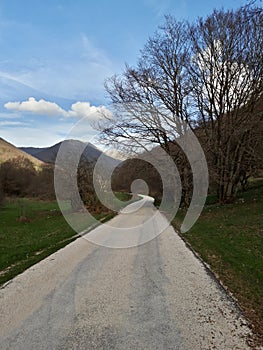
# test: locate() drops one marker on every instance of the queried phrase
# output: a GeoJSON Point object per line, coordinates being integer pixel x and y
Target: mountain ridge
{"type": "Point", "coordinates": [48, 154]}
{"type": "Point", "coordinates": [40, 156]}
{"type": "Point", "coordinates": [9, 151]}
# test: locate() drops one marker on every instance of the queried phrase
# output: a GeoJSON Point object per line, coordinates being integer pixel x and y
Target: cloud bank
{"type": "Point", "coordinates": [51, 109]}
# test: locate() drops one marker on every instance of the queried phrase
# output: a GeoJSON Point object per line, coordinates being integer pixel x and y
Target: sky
{"type": "Point", "coordinates": [56, 54]}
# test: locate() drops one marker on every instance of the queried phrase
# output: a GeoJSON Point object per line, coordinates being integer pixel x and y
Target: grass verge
{"type": "Point", "coordinates": [230, 239]}
{"type": "Point", "coordinates": [42, 231]}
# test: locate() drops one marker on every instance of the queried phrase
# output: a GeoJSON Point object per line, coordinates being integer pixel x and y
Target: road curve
{"type": "Point", "coordinates": [157, 295]}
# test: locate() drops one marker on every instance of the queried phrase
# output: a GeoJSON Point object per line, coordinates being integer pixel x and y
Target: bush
{"type": "Point", "coordinates": [16, 176]}
{"type": "Point", "coordinates": [2, 195]}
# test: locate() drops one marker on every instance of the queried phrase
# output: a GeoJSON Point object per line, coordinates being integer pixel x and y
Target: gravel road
{"type": "Point", "coordinates": [154, 296]}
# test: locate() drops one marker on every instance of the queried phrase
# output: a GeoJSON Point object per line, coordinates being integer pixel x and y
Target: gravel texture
{"type": "Point", "coordinates": [154, 296]}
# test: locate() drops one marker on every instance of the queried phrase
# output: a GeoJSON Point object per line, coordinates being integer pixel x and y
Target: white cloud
{"type": "Point", "coordinates": [223, 72]}
{"type": "Point", "coordinates": [39, 107]}
{"type": "Point", "coordinates": [9, 116]}
{"type": "Point", "coordinates": [114, 153]}
{"type": "Point", "coordinates": [11, 123]}
{"type": "Point", "coordinates": [46, 108]}
{"type": "Point", "coordinates": [84, 109]}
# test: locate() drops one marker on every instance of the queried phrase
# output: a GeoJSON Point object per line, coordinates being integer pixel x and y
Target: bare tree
{"type": "Point", "coordinates": [42, 185]}
{"type": "Point", "coordinates": [2, 195]}
{"type": "Point", "coordinates": [159, 82]}
{"type": "Point", "coordinates": [85, 183]}
{"type": "Point", "coordinates": [151, 100]}
{"type": "Point", "coordinates": [226, 76]}
{"type": "Point", "coordinates": [206, 77]}
{"type": "Point", "coordinates": [133, 169]}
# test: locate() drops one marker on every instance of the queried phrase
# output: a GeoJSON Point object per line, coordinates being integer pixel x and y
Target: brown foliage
{"type": "Point", "coordinates": [19, 177]}
{"type": "Point", "coordinates": [16, 176]}
{"type": "Point", "coordinates": [133, 169]}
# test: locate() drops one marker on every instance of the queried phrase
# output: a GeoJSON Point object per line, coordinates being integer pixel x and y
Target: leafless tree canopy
{"type": "Point", "coordinates": [205, 76]}
{"type": "Point", "coordinates": [151, 98]}
{"type": "Point", "coordinates": [226, 77]}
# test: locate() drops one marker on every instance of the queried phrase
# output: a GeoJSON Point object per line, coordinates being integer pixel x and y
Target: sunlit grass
{"type": "Point", "coordinates": [230, 239]}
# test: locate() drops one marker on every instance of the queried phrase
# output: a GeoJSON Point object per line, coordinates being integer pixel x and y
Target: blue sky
{"type": "Point", "coordinates": [56, 54]}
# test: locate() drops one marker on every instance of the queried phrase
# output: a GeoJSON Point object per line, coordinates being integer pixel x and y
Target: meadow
{"type": "Point", "coordinates": [31, 229]}
{"type": "Point", "coordinates": [229, 239]}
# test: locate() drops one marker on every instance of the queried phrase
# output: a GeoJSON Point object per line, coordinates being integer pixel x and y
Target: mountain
{"type": "Point", "coordinates": [32, 150]}
{"type": "Point", "coordinates": [49, 154]}
{"type": "Point", "coordinates": [9, 151]}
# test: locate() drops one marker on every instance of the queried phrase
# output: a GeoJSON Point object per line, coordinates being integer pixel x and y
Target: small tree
{"type": "Point", "coordinates": [42, 185]}
{"type": "Point", "coordinates": [16, 176]}
{"type": "Point", "coordinates": [2, 195]}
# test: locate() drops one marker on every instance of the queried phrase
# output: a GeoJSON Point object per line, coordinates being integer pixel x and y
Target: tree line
{"type": "Point", "coordinates": [206, 76]}
{"type": "Point", "coordinates": [19, 178]}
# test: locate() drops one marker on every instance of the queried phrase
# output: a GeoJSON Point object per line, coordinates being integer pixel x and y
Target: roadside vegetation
{"type": "Point", "coordinates": [31, 223]}
{"type": "Point", "coordinates": [207, 78]}
{"type": "Point", "coordinates": [31, 230]}
{"type": "Point", "coordinates": [203, 78]}
{"type": "Point", "coordinates": [230, 239]}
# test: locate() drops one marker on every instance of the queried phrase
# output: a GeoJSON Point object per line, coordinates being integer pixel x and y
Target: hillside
{"type": "Point", "coordinates": [49, 154]}
{"type": "Point", "coordinates": [9, 151]}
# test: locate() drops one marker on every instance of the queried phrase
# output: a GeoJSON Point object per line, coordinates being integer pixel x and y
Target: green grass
{"type": "Point", "coordinates": [230, 239]}
{"type": "Point", "coordinates": [124, 197]}
{"type": "Point", "coordinates": [22, 244]}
